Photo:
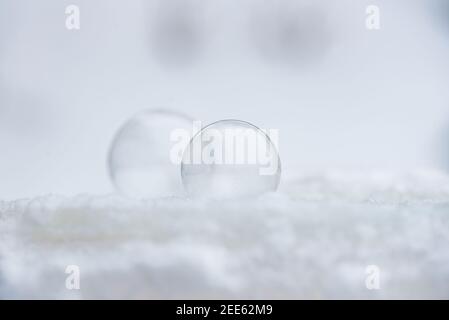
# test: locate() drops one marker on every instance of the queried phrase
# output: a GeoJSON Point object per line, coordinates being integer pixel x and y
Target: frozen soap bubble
{"type": "Point", "coordinates": [145, 155]}
{"type": "Point", "coordinates": [230, 159]}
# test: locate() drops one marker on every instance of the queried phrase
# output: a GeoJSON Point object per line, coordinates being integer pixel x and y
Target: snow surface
{"type": "Point", "coordinates": [312, 239]}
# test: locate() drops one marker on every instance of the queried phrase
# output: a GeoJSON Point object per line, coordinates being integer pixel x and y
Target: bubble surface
{"type": "Point", "coordinates": [140, 160]}
{"type": "Point", "coordinates": [230, 159]}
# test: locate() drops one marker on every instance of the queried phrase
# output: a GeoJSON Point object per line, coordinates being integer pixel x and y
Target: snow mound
{"type": "Point", "coordinates": [313, 239]}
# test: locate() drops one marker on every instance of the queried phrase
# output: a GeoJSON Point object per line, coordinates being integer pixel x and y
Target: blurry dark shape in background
{"type": "Point", "coordinates": [441, 13]}
{"type": "Point", "coordinates": [176, 32]}
{"type": "Point", "coordinates": [22, 113]}
{"type": "Point", "coordinates": [286, 32]}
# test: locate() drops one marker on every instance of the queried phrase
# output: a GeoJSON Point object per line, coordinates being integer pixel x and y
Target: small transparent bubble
{"type": "Point", "coordinates": [230, 159]}
{"type": "Point", "coordinates": [143, 155]}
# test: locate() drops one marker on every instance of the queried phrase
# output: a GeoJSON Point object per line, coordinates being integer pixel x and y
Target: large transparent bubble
{"type": "Point", "coordinates": [230, 159]}
{"type": "Point", "coordinates": [145, 155]}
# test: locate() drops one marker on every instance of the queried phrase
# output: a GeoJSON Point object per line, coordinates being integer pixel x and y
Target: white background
{"type": "Point", "coordinates": [357, 99]}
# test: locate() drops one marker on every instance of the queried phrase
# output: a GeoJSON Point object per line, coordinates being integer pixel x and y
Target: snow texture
{"type": "Point", "coordinates": [313, 239]}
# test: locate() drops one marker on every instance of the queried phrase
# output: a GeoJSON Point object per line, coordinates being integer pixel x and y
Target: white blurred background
{"type": "Point", "coordinates": [342, 96]}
